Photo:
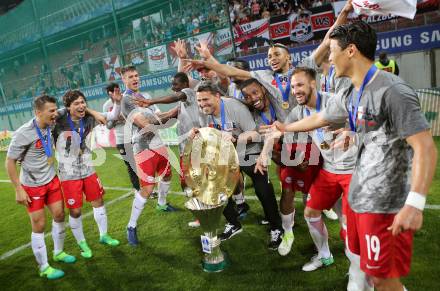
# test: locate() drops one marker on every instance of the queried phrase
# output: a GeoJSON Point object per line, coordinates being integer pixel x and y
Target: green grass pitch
{"type": "Point", "coordinates": [170, 253]}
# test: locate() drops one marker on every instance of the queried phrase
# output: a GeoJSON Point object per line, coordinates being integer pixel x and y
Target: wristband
{"type": "Point", "coordinates": [416, 200]}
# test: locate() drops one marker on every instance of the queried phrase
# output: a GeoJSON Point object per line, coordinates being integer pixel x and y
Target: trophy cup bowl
{"type": "Point", "coordinates": [211, 170]}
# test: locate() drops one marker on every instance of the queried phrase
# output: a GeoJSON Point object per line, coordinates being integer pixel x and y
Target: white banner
{"type": "Point", "coordinates": [157, 58]}
{"type": "Point", "coordinates": [404, 8]}
{"type": "Point", "coordinates": [251, 35]}
{"type": "Point", "coordinates": [223, 42]}
{"type": "Point", "coordinates": [112, 68]}
{"type": "Point", "coordinates": [195, 40]}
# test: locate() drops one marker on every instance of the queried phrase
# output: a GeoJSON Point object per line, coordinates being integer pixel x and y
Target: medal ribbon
{"type": "Point", "coordinates": [328, 78]}
{"type": "Point", "coordinates": [222, 116]}
{"type": "Point", "coordinates": [81, 128]}
{"type": "Point", "coordinates": [273, 116]}
{"type": "Point", "coordinates": [352, 115]}
{"type": "Point", "coordinates": [319, 132]}
{"type": "Point", "coordinates": [47, 143]}
{"type": "Point", "coordinates": [284, 93]}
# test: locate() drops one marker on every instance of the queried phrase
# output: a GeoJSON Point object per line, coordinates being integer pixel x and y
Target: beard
{"type": "Point", "coordinates": [306, 100]}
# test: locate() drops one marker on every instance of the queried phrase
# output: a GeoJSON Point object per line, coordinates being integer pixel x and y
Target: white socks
{"type": "Point", "coordinates": [39, 249]}
{"type": "Point", "coordinates": [58, 235]}
{"type": "Point", "coordinates": [238, 198]}
{"type": "Point", "coordinates": [288, 221]}
{"type": "Point", "coordinates": [101, 219]}
{"type": "Point", "coordinates": [319, 234]}
{"type": "Point", "coordinates": [77, 228]}
{"type": "Point", "coordinates": [164, 187]}
{"type": "Point", "coordinates": [136, 209]}
{"type": "Point", "coordinates": [358, 280]}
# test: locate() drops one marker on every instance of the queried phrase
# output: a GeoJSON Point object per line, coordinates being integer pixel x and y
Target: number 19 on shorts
{"type": "Point", "coordinates": [373, 247]}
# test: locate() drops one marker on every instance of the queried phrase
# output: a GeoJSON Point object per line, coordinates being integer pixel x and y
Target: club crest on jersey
{"type": "Point", "coordinates": [283, 80]}
{"type": "Point", "coordinates": [38, 144]}
{"type": "Point", "coordinates": [71, 201]}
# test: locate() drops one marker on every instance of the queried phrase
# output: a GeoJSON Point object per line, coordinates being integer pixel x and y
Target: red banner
{"type": "Point", "coordinates": [309, 24]}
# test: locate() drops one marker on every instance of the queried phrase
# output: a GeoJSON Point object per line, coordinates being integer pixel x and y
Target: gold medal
{"type": "Point", "coordinates": [325, 146]}
{"type": "Point", "coordinates": [50, 161]}
{"type": "Point", "coordinates": [285, 105]}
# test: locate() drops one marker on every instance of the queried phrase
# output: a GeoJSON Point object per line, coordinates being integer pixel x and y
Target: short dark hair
{"type": "Point", "coordinates": [182, 77]}
{"type": "Point", "coordinates": [280, 45]}
{"type": "Point", "coordinates": [208, 86]}
{"type": "Point", "coordinates": [239, 64]}
{"type": "Point", "coordinates": [71, 96]}
{"type": "Point", "coordinates": [40, 101]}
{"type": "Point", "coordinates": [359, 33]}
{"type": "Point", "coordinates": [248, 82]}
{"type": "Point", "coordinates": [111, 87]}
{"type": "Point", "coordinates": [128, 68]}
{"type": "Point", "coordinates": [311, 73]}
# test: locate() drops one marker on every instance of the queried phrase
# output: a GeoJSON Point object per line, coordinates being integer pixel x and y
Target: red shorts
{"type": "Point", "coordinates": [152, 162]}
{"type": "Point", "coordinates": [294, 179]}
{"type": "Point", "coordinates": [73, 190]}
{"type": "Point", "coordinates": [382, 254]}
{"type": "Point", "coordinates": [326, 189]}
{"type": "Point", "coordinates": [43, 195]}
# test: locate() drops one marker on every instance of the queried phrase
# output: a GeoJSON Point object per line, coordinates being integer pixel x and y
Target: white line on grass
{"type": "Point", "coordinates": [22, 247]}
{"type": "Point", "coordinates": [90, 213]}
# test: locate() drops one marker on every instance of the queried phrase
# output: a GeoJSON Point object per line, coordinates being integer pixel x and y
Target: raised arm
{"type": "Point", "coordinates": [224, 70]}
{"type": "Point", "coordinates": [172, 98]}
{"type": "Point", "coordinates": [321, 52]}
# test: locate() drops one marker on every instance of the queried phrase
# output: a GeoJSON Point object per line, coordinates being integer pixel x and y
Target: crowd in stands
{"type": "Point", "coordinates": [244, 11]}
{"type": "Point", "coordinates": [26, 76]}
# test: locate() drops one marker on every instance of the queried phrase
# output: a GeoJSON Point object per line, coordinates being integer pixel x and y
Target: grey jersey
{"type": "Point", "coordinates": [264, 118]}
{"type": "Point", "coordinates": [327, 83]}
{"type": "Point", "coordinates": [335, 161]}
{"type": "Point", "coordinates": [74, 155]}
{"type": "Point", "coordinates": [330, 84]}
{"type": "Point", "coordinates": [388, 113]}
{"type": "Point", "coordinates": [238, 119]}
{"type": "Point", "coordinates": [188, 116]}
{"type": "Point", "coordinates": [140, 138]}
{"type": "Point", "coordinates": [26, 145]}
{"type": "Point", "coordinates": [267, 79]}
{"type": "Point", "coordinates": [234, 92]}
{"type": "Point", "coordinates": [117, 125]}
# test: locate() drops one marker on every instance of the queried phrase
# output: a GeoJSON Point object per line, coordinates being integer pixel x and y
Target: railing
{"type": "Point", "coordinates": [430, 103]}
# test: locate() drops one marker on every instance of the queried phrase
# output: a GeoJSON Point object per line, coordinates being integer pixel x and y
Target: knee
{"type": "Point", "coordinates": [309, 212]}
{"type": "Point", "coordinates": [38, 224]}
{"type": "Point", "coordinates": [98, 202]}
{"type": "Point", "coordinates": [75, 213]}
{"type": "Point", "coordinates": [58, 215]}
{"type": "Point", "coordinates": [146, 191]}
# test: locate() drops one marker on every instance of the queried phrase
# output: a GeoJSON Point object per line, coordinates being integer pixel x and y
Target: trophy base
{"type": "Point", "coordinates": [214, 268]}
{"type": "Point", "coordinates": [217, 267]}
